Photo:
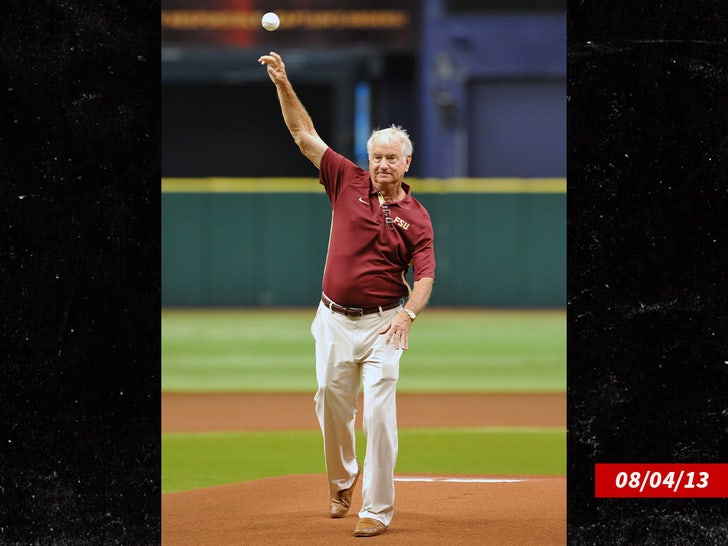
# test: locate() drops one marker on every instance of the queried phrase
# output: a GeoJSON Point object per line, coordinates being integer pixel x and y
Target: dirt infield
{"type": "Point", "coordinates": [244, 411]}
{"type": "Point", "coordinates": [493, 510]}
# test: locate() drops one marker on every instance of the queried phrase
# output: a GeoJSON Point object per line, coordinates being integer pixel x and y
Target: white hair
{"type": "Point", "coordinates": [395, 132]}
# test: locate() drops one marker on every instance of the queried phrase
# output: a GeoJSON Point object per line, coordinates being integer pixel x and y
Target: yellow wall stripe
{"type": "Point", "coordinates": [311, 185]}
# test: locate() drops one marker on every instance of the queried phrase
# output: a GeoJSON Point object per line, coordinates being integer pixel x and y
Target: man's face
{"type": "Point", "coordinates": [387, 165]}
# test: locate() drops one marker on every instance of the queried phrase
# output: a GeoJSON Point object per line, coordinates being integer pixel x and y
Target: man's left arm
{"type": "Point", "coordinates": [420, 295]}
{"type": "Point", "coordinates": [399, 327]}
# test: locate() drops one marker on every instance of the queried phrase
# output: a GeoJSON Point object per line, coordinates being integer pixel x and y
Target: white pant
{"type": "Point", "coordinates": [350, 349]}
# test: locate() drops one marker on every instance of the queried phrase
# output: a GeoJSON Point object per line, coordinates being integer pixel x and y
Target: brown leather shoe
{"type": "Point", "coordinates": [368, 527]}
{"type": "Point", "coordinates": [340, 504]}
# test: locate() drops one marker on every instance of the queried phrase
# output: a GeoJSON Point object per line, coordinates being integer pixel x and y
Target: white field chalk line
{"type": "Point", "coordinates": [460, 480]}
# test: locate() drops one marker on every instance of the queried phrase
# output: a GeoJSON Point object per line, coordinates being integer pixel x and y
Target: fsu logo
{"type": "Point", "coordinates": [401, 223]}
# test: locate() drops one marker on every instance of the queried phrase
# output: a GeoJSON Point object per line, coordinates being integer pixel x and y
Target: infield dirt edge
{"type": "Point", "coordinates": [293, 509]}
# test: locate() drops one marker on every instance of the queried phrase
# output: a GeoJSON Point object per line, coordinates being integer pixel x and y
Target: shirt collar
{"type": "Point", "coordinates": [405, 203]}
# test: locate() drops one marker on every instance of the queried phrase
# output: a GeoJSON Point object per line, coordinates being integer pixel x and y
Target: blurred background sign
{"type": "Point", "coordinates": [388, 24]}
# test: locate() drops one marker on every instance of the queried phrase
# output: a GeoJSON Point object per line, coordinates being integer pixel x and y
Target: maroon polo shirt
{"type": "Point", "coordinates": [367, 262]}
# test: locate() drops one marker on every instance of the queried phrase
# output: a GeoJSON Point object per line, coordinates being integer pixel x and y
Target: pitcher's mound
{"type": "Point", "coordinates": [444, 510]}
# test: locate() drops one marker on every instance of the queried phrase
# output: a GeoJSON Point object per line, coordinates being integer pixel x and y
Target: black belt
{"type": "Point", "coordinates": [357, 311]}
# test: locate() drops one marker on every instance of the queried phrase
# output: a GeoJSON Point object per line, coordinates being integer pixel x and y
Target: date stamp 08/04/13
{"type": "Point", "coordinates": [674, 480]}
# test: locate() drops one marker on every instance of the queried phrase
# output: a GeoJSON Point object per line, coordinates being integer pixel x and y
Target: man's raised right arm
{"type": "Point", "coordinates": [296, 117]}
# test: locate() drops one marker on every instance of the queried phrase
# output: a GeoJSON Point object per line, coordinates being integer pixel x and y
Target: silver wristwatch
{"type": "Point", "coordinates": [410, 313]}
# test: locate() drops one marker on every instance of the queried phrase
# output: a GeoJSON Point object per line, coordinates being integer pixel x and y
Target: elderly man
{"type": "Point", "coordinates": [367, 307]}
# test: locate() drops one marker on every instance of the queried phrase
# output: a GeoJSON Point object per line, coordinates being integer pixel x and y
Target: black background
{"type": "Point", "coordinates": [79, 162]}
{"type": "Point", "coordinates": [80, 168]}
{"type": "Point", "coordinates": [647, 261]}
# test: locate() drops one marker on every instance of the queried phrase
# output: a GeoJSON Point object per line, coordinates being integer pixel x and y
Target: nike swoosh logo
{"type": "Point", "coordinates": [361, 199]}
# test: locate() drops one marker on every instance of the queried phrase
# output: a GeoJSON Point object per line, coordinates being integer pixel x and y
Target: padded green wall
{"type": "Point", "coordinates": [258, 248]}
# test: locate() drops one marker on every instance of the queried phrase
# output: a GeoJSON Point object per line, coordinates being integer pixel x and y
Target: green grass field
{"type": "Point", "coordinates": [450, 351]}
{"type": "Point", "coordinates": [192, 461]}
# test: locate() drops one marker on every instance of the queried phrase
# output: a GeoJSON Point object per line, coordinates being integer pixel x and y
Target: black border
{"type": "Point", "coordinates": [647, 261]}
{"type": "Point", "coordinates": [80, 168]}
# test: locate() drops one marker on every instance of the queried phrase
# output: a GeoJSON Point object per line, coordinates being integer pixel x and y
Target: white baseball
{"type": "Point", "coordinates": [270, 21]}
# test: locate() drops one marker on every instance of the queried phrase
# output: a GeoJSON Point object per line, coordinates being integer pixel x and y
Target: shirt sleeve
{"type": "Point", "coordinates": [423, 263]}
{"type": "Point", "coordinates": [331, 173]}
{"type": "Point", "coordinates": [423, 257]}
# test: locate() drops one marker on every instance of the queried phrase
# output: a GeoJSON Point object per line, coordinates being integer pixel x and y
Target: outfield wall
{"type": "Point", "coordinates": [262, 242]}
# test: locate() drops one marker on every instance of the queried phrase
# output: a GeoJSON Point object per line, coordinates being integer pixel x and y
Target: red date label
{"type": "Point", "coordinates": [661, 480]}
